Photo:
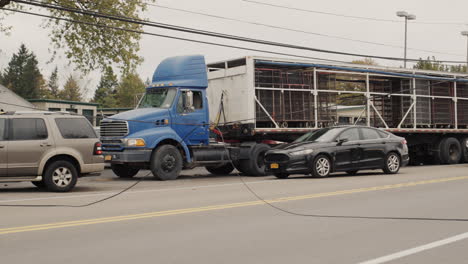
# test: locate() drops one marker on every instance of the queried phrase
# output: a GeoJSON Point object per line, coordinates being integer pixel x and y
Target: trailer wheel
{"type": "Point", "coordinates": [255, 165]}
{"type": "Point", "coordinates": [450, 151]}
{"type": "Point", "coordinates": [124, 171]}
{"type": "Point", "coordinates": [166, 163]}
{"type": "Point", "coordinates": [223, 169]}
{"type": "Point", "coordinates": [464, 147]}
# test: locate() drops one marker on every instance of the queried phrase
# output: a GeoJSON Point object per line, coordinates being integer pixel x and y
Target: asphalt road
{"type": "Point", "coordinates": [417, 216]}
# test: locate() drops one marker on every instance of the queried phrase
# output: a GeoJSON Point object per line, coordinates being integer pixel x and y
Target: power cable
{"type": "Point", "coordinates": [351, 16]}
{"type": "Point", "coordinates": [210, 33]}
{"type": "Point", "coordinates": [297, 30]}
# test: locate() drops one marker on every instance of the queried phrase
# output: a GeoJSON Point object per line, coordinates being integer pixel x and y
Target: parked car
{"type": "Point", "coordinates": [49, 149]}
{"type": "Point", "coordinates": [335, 149]}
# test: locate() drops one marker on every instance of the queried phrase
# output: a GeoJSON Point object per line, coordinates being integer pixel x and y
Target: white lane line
{"type": "Point", "coordinates": [132, 192]}
{"type": "Point", "coordinates": [415, 250]}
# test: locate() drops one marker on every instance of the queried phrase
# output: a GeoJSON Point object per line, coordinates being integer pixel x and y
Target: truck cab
{"type": "Point", "coordinates": [170, 128]}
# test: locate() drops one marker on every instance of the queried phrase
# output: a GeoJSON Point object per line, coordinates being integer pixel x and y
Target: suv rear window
{"type": "Point", "coordinates": [75, 128]}
{"type": "Point", "coordinates": [28, 129]}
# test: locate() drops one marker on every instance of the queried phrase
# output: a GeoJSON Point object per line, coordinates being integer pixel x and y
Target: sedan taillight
{"type": "Point", "coordinates": [97, 148]}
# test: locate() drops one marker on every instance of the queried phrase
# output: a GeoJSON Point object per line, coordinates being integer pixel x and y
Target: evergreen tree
{"type": "Point", "coordinates": [129, 87]}
{"type": "Point", "coordinates": [106, 90]}
{"type": "Point", "coordinates": [71, 91]}
{"type": "Point", "coordinates": [22, 74]}
{"type": "Point", "coordinates": [53, 84]}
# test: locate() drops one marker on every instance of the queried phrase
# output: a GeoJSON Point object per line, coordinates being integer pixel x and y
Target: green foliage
{"type": "Point", "coordinates": [91, 47]}
{"type": "Point", "coordinates": [22, 75]}
{"type": "Point", "coordinates": [71, 90]}
{"type": "Point", "coordinates": [366, 61]}
{"type": "Point", "coordinates": [432, 64]}
{"type": "Point", "coordinates": [106, 90]}
{"type": "Point", "coordinates": [53, 86]}
{"type": "Point", "coordinates": [129, 88]}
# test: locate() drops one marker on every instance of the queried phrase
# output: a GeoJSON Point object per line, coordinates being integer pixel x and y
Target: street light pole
{"type": "Point", "coordinates": [407, 17]}
{"type": "Point", "coordinates": [465, 33]}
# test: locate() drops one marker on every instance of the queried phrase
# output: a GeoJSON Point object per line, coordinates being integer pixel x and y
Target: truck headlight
{"type": "Point", "coordinates": [135, 142]}
{"type": "Point", "coordinates": [301, 152]}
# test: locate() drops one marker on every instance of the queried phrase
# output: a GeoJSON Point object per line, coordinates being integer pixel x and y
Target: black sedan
{"type": "Point", "coordinates": [336, 149]}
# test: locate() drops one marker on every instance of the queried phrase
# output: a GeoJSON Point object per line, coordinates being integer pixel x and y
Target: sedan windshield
{"type": "Point", "coordinates": [158, 97]}
{"type": "Point", "coordinates": [321, 135]}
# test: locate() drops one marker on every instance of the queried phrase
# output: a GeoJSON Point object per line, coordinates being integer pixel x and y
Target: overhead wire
{"type": "Point", "coordinates": [213, 34]}
{"type": "Point", "coordinates": [352, 16]}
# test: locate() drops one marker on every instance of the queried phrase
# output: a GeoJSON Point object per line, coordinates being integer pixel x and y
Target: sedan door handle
{"type": "Point", "coordinates": [45, 144]}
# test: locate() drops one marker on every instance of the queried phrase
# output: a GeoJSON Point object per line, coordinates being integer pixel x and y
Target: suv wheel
{"type": "Point", "coordinates": [60, 176]}
{"type": "Point", "coordinates": [124, 171]}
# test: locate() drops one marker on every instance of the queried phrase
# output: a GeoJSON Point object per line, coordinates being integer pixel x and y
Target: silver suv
{"type": "Point", "coordinates": [49, 149]}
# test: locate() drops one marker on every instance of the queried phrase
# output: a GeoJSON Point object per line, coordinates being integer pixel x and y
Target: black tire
{"type": "Point", "coordinates": [60, 176]}
{"type": "Point", "coordinates": [450, 151]}
{"type": "Point", "coordinates": [39, 184]}
{"type": "Point", "coordinates": [352, 172]}
{"type": "Point", "coordinates": [223, 169]}
{"type": "Point", "coordinates": [321, 166]}
{"type": "Point", "coordinates": [392, 163]}
{"type": "Point", "coordinates": [255, 165]}
{"type": "Point", "coordinates": [464, 147]}
{"type": "Point", "coordinates": [281, 175]}
{"type": "Point", "coordinates": [166, 163]}
{"type": "Point", "coordinates": [124, 171]}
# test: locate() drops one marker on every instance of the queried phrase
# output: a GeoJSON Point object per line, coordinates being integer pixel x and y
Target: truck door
{"type": "Point", "coordinates": [28, 141]}
{"type": "Point", "coordinates": [347, 154]}
{"type": "Point", "coordinates": [3, 148]}
{"type": "Point", "coordinates": [192, 124]}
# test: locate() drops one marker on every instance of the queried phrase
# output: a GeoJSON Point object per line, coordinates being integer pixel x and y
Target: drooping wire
{"type": "Point", "coordinates": [210, 33]}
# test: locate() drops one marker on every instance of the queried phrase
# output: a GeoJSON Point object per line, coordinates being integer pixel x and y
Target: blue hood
{"type": "Point", "coordinates": [142, 114]}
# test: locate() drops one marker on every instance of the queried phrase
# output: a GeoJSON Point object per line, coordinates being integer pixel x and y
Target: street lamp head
{"type": "Point", "coordinates": [411, 17]}
{"type": "Point", "coordinates": [402, 13]}
{"type": "Point", "coordinates": [464, 33]}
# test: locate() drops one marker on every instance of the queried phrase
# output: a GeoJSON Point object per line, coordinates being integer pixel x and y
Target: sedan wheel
{"type": "Point", "coordinates": [392, 163]}
{"type": "Point", "coordinates": [321, 167]}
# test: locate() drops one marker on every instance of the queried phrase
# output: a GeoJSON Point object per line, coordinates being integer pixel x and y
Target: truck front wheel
{"type": "Point", "coordinates": [166, 163]}
{"type": "Point", "coordinates": [124, 171]}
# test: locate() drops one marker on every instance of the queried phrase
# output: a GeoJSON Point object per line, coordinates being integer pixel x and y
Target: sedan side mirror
{"type": "Point", "coordinates": [341, 141]}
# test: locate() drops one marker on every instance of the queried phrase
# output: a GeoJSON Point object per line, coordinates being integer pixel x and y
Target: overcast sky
{"type": "Point", "coordinates": [442, 37]}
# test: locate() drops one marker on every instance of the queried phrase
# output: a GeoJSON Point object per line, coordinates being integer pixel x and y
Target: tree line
{"type": "Point", "coordinates": [23, 76]}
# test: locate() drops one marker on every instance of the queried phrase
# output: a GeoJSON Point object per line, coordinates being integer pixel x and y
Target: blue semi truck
{"type": "Point", "coordinates": [197, 114]}
{"type": "Point", "coordinates": [170, 129]}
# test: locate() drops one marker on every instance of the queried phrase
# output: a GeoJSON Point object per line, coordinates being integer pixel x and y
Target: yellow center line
{"type": "Point", "coordinates": [20, 229]}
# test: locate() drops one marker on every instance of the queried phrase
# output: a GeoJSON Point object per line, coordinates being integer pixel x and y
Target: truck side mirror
{"type": "Point", "coordinates": [188, 101]}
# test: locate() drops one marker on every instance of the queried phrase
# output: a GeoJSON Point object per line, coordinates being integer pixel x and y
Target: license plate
{"type": "Point", "coordinates": [108, 157]}
{"type": "Point", "coordinates": [274, 166]}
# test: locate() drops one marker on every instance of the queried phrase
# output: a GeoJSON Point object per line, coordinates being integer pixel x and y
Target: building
{"type": "Point", "coordinates": [10, 101]}
{"type": "Point", "coordinates": [89, 110]}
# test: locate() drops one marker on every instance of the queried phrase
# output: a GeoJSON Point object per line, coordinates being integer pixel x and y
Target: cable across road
{"type": "Point", "coordinates": [211, 33]}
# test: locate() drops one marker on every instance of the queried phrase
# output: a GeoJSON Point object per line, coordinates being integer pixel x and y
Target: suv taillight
{"type": "Point", "coordinates": [97, 148]}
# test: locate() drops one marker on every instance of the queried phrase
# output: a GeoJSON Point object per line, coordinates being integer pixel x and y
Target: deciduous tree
{"type": "Point", "coordinates": [129, 88]}
{"type": "Point", "coordinates": [71, 90]}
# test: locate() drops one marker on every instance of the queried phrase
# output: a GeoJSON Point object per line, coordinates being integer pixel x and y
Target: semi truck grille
{"type": "Point", "coordinates": [114, 128]}
{"type": "Point", "coordinates": [276, 157]}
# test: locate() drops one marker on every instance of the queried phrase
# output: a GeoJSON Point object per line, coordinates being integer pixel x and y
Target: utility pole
{"type": "Point", "coordinates": [465, 33]}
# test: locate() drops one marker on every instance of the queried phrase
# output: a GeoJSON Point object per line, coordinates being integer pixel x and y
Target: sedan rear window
{"type": "Point", "coordinates": [75, 128]}
{"type": "Point", "coordinates": [368, 134]}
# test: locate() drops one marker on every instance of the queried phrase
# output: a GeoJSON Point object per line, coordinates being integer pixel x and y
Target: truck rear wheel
{"type": "Point", "coordinates": [124, 171]}
{"type": "Point", "coordinates": [450, 151]}
{"type": "Point", "coordinates": [255, 165]}
{"type": "Point", "coordinates": [223, 169]}
{"type": "Point", "coordinates": [166, 163]}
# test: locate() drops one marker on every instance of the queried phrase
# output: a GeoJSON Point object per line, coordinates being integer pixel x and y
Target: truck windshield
{"type": "Point", "coordinates": [321, 135]}
{"type": "Point", "coordinates": [158, 97]}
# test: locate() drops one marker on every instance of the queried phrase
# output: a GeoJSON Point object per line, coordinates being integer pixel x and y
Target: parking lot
{"type": "Point", "coordinates": [206, 219]}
